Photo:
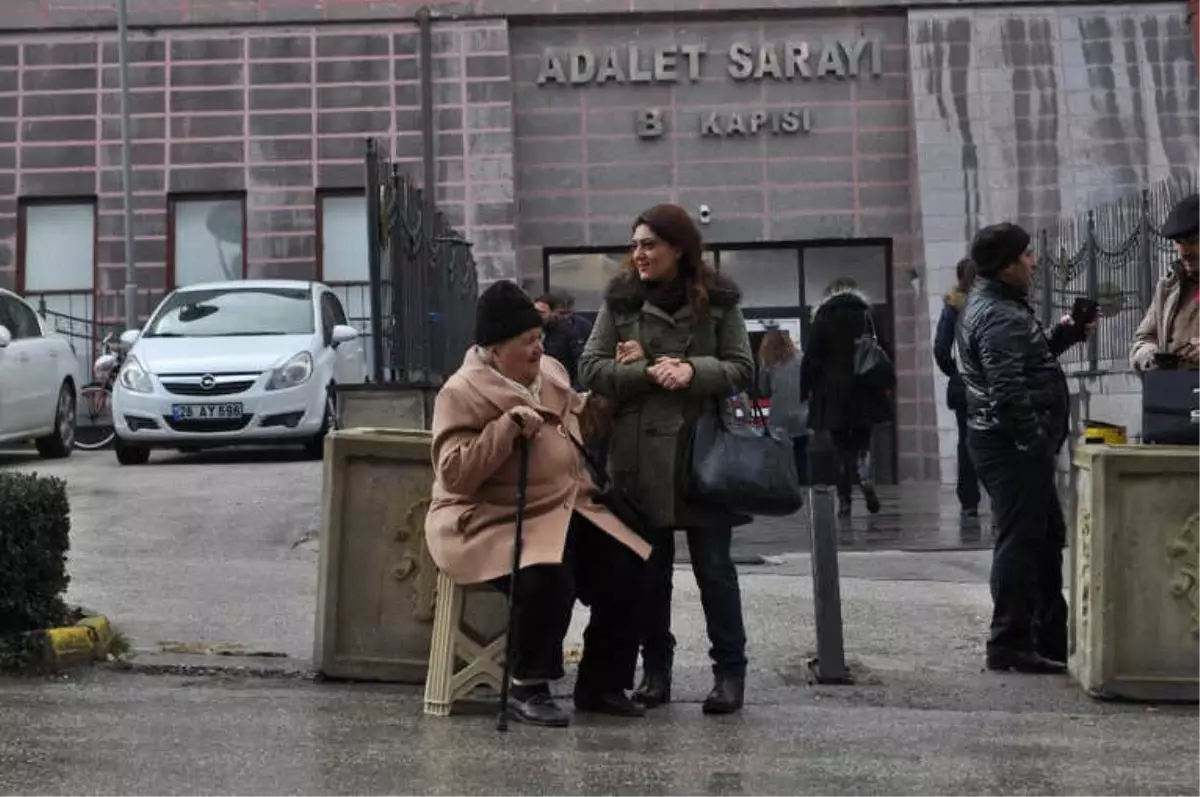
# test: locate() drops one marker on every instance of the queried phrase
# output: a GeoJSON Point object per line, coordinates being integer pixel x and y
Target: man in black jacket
{"type": "Point", "coordinates": [566, 333]}
{"type": "Point", "coordinates": [1018, 418]}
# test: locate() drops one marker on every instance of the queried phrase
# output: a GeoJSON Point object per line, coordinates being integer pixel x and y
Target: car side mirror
{"type": "Point", "coordinates": [5, 337]}
{"type": "Point", "coordinates": [129, 337]}
{"type": "Point", "coordinates": [342, 333]}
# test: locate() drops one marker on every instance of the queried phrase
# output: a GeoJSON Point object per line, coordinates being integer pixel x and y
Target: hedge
{"type": "Point", "coordinates": [35, 526]}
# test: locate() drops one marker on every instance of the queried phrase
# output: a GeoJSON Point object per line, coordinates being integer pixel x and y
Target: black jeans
{"type": "Point", "coordinates": [720, 596]}
{"type": "Point", "coordinates": [800, 452]}
{"type": "Point", "coordinates": [602, 574]}
{"type": "Point", "coordinates": [1029, 612]}
{"type": "Point", "coordinates": [854, 458]}
{"type": "Point", "coordinates": [967, 488]}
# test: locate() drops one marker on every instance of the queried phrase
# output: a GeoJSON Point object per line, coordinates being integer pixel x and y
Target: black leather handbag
{"type": "Point", "coordinates": [1168, 399]}
{"type": "Point", "coordinates": [611, 496]}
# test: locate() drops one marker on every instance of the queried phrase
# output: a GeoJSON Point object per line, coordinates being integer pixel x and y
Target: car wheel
{"type": "Point", "coordinates": [315, 448]}
{"type": "Point", "coordinates": [58, 444]}
{"type": "Point", "coordinates": [130, 454]}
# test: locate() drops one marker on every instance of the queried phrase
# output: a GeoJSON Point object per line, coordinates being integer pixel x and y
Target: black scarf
{"type": "Point", "coordinates": [670, 297]}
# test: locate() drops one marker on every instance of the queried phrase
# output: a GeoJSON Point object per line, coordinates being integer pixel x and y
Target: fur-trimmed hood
{"type": "Point", "coordinates": [627, 293]}
{"type": "Point", "coordinates": [956, 299]}
{"type": "Point", "coordinates": [841, 298]}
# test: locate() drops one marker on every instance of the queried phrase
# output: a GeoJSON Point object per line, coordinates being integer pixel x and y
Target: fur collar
{"type": "Point", "coordinates": [626, 293]}
{"type": "Point", "coordinates": [845, 296]}
{"type": "Point", "coordinates": [956, 299]}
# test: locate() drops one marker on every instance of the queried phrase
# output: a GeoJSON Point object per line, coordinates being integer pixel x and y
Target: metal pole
{"type": "Point", "coordinates": [830, 665]}
{"type": "Point", "coordinates": [1093, 280]}
{"type": "Point", "coordinates": [131, 314]}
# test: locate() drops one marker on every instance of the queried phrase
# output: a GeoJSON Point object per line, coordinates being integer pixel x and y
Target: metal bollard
{"type": "Point", "coordinates": [829, 667]}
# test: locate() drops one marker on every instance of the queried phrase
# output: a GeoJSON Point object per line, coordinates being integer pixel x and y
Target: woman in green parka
{"type": "Point", "coordinates": [670, 344]}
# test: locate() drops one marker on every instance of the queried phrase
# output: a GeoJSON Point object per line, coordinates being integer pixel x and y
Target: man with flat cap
{"type": "Point", "coordinates": [1017, 419]}
{"type": "Point", "coordinates": [1170, 332]}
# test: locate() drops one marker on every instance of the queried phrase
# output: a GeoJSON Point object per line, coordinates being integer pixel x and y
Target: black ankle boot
{"type": "Point", "coordinates": [655, 688]}
{"type": "Point", "coordinates": [727, 695]}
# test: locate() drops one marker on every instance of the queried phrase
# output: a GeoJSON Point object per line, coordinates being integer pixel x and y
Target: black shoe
{"type": "Point", "coordinates": [871, 497]}
{"type": "Point", "coordinates": [971, 512]}
{"type": "Point", "coordinates": [616, 704]}
{"type": "Point", "coordinates": [843, 507]}
{"type": "Point", "coordinates": [1025, 661]}
{"type": "Point", "coordinates": [655, 688]}
{"type": "Point", "coordinates": [535, 706]}
{"type": "Point", "coordinates": [727, 695]}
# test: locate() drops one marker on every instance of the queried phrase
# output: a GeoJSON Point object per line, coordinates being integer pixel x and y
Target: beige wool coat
{"type": "Point", "coordinates": [472, 517]}
{"type": "Point", "coordinates": [1155, 330]}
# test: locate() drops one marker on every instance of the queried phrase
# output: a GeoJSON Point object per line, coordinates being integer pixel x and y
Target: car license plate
{"type": "Point", "coordinates": [207, 412]}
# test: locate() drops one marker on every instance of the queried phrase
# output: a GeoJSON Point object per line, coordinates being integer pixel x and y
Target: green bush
{"type": "Point", "coordinates": [35, 526]}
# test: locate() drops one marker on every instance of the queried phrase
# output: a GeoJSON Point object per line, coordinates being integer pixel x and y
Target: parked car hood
{"type": "Point", "coordinates": [241, 354]}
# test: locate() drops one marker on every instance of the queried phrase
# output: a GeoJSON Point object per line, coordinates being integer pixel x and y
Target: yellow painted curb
{"type": "Point", "coordinates": [85, 642]}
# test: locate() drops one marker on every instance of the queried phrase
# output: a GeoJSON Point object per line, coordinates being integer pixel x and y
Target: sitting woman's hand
{"type": "Point", "coordinates": [528, 421]}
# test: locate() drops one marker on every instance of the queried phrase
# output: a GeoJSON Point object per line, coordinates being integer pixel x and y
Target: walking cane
{"type": "Point", "coordinates": [522, 483]}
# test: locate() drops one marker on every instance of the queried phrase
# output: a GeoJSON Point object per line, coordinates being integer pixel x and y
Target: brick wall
{"type": "Point", "coordinates": [1028, 114]}
{"type": "Point", "coordinates": [584, 174]}
{"type": "Point", "coordinates": [276, 114]}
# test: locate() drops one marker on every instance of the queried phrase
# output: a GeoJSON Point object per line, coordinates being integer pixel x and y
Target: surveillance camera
{"type": "Point", "coordinates": [705, 214]}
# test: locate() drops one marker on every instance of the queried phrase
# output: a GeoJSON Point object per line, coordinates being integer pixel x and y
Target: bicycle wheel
{"type": "Point", "coordinates": [94, 429]}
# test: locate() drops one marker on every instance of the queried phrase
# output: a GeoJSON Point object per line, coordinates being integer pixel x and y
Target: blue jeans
{"type": "Point", "coordinates": [720, 596]}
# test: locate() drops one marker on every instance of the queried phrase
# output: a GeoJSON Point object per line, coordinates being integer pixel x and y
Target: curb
{"type": "Point", "coordinates": [86, 642]}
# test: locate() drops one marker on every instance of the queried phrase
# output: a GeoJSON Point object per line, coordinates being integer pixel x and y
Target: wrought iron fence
{"type": "Point", "coordinates": [72, 314]}
{"type": "Point", "coordinates": [1114, 254]}
{"type": "Point", "coordinates": [423, 280]}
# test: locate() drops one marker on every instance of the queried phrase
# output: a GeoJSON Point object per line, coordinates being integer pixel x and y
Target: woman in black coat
{"type": "Point", "coordinates": [840, 403]}
{"type": "Point", "coordinates": [956, 391]}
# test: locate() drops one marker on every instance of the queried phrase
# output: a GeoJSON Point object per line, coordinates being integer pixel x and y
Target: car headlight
{"type": "Point", "coordinates": [134, 377]}
{"type": "Point", "coordinates": [295, 371]}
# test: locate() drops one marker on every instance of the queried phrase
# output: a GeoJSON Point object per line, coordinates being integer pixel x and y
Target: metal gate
{"type": "Point", "coordinates": [423, 281]}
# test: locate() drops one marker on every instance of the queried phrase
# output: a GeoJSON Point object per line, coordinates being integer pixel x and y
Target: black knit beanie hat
{"type": "Point", "coordinates": [503, 312]}
{"type": "Point", "coordinates": [997, 247]}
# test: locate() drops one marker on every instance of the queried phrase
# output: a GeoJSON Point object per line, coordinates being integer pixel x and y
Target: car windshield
{"type": "Point", "coordinates": [234, 312]}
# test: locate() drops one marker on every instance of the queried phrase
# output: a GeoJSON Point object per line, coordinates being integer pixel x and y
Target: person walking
{"type": "Point", "coordinates": [842, 405]}
{"type": "Point", "coordinates": [1018, 418]}
{"type": "Point", "coordinates": [967, 487]}
{"type": "Point", "coordinates": [670, 344]}
{"type": "Point", "coordinates": [779, 380]}
{"type": "Point", "coordinates": [572, 546]}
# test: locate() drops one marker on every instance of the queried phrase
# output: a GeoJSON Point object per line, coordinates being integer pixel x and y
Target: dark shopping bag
{"type": "Point", "coordinates": [1168, 399]}
{"type": "Point", "coordinates": [745, 468]}
{"type": "Point", "coordinates": [611, 496]}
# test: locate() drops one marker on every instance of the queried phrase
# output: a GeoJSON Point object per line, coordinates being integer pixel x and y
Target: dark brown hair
{"type": "Point", "coordinates": [776, 347]}
{"type": "Point", "coordinates": [675, 227]}
{"type": "Point", "coordinates": [964, 272]}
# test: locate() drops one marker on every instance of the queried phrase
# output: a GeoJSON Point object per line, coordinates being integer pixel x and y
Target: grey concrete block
{"type": "Point", "coordinates": [885, 224]}
{"type": "Point", "coordinates": [220, 100]}
{"type": "Point", "coordinates": [554, 233]}
{"type": "Point", "coordinates": [409, 96]}
{"type": "Point", "coordinates": [884, 170]}
{"type": "Point", "coordinates": [406, 69]}
{"type": "Point", "coordinates": [408, 120]}
{"type": "Point", "coordinates": [406, 44]}
{"type": "Point", "coordinates": [10, 55]}
{"type": "Point", "coordinates": [548, 151]}
{"type": "Point", "coordinates": [497, 117]}
{"type": "Point", "coordinates": [883, 143]}
{"type": "Point", "coordinates": [8, 80]}
{"type": "Point", "coordinates": [619, 151]}
{"type": "Point", "coordinates": [553, 178]}
{"type": "Point", "coordinates": [444, 93]}
{"type": "Point", "coordinates": [491, 169]}
{"type": "Point", "coordinates": [565, 123]}
{"type": "Point", "coordinates": [220, 178]}
{"type": "Point", "coordinates": [728, 201]}
{"type": "Point", "coordinates": [59, 54]}
{"type": "Point", "coordinates": [411, 145]}
{"type": "Point", "coordinates": [447, 68]}
{"type": "Point", "coordinates": [58, 79]}
{"type": "Point", "coordinates": [492, 143]}
{"type": "Point", "coordinates": [330, 45]}
{"type": "Point", "coordinates": [445, 120]}
{"type": "Point", "coordinates": [815, 145]}
{"type": "Point", "coordinates": [291, 175]}
{"type": "Point", "coordinates": [353, 72]}
{"type": "Point", "coordinates": [487, 66]}
{"type": "Point", "coordinates": [641, 176]}
{"type": "Point", "coordinates": [829, 198]}
{"type": "Point", "coordinates": [299, 220]}
{"type": "Point", "coordinates": [219, 48]}
{"type": "Point", "coordinates": [140, 103]}
{"type": "Point", "coordinates": [878, 196]}
{"type": "Point", "coordinates": [445, 40]}
{"type": "Point", "coordinates": [281, 124]}
{"type": "Point", "coordinates": [487, 40]}
{"type": "Point", "coordinates": [532, 210]}
{"type": "Point", "coordinates": [622, 206]}
{"type": "Point", "coordinates": [140, 76]}
{"type": "Point", "coordinates": [449, 170]}
{"type": "Point", "coordinates": [81, 129]}
{"type": "Point", "coordinates": [499, 214]}
{"type": "Point", "coordinates": [353, 97]}
{"type": "Point", "coordinates": [264, 74]}
{"type": "Point", "coordinates": [47, 184]}
{"type": "Point", "coordinates": [896, 114]}
{"type": "Point", "coordinates": [83, 104]}
{"type": "Point", "coordinates": [281, 246]}
{"type": "Point", "coordinates": [144, 251]}
{"type": "Point", "coordinates": [811, 170]}
{"type": "Point", "coordinates": [140, 50]}
{"type": "Point", "coordinates": [8, 162]}
{"type": "Point", "coordinates": [345, 148]}
{"type": "Point", "coordinates": [812, 226]}
{"type": "Point", "coordinates": [57, 157]}
{"type": "Point", "coordinates": [488, 91]}
{"type": "Point", "coordinates": [142, 154]}
{"type": "Point", "coordinates": [288, 149]}
{"type": "Point", "coordinates": [298, 46]}
{"type": "Point", "coordinates": [223, 152]}
{"type": "Point", "coordinates": [184, 76]}
{"type": "Point", "coordinates": [191, 127]}
{"type": "Point", "coordinates": [280, 99]}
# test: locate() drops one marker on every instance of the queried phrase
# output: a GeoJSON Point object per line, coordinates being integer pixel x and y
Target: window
{"type": "Point", "coordinates": [233, 313]}
{"type": "Point", "coordinates": [767, 277]}
{"type": "Point", "coordinates": [20, 320]}
{"type": "Point", "coordinates": [344, 239]}
{"type": "Point", "coordinates": [866, 264]}
{"type": "Point", "coordinates": [208, 237]}
{"type": "Point", "coordinates": [584, 276]}
{"type": "Point", "coordinates": [332, 315]}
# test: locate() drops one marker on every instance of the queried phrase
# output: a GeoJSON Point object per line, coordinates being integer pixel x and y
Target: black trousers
{"type": "Point", "coordinates": [720, 596]}
{"type": "Point", "coordinates": [800, 453]}
{"type": "Point", "coordinates": [602, 574]}
{"type": "Point", "coordinates": [853, 446]}
{"type": "Point", "coordinates": [1029, 612]}
{"type": "Point", "coordinates": [967, 487]}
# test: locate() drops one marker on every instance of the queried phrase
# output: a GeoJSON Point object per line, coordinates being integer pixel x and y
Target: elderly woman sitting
{"type": "Point", "coordinates": [573, 547]}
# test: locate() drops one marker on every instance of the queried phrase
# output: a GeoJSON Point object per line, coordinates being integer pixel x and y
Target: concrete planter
{"type": "Point", "coordinates": [384, 406]}
{"type": "Point", "coordinates": [376, 583]}
{"type": "Point", "coordinates": [1134, 622]}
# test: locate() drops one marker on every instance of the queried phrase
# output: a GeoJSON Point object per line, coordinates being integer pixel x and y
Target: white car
{"type": "Point", "coordinates": [37, 380]}
{"type": "Point", "coordinates": [250, 362]}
